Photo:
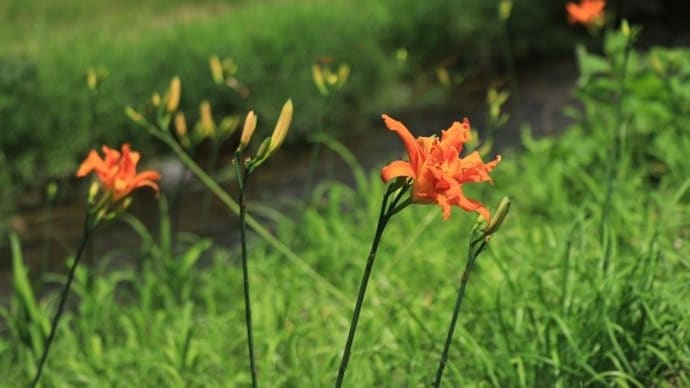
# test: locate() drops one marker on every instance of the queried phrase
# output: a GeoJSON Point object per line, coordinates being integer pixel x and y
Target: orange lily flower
{"type": "Point", "coordinates": [117, 172]}
{"type": "Point", "coordinates": [587, 12]}
{"type": "Point", "coordinates": [436, 168]}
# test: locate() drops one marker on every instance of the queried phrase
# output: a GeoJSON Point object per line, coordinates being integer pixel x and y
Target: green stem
{"type": "Point", "coordinates": [472, 255]}
{"type": "Point", "coordinates": [251, 222]}
{"type": "Point", "coordinates": [242, 179]}
{"type": "Point", "coordinates": [88, 229]}
{"type": "Point", "coordinates": [611, 173]}
{"type": "Point", "coordinates": [386, 213]}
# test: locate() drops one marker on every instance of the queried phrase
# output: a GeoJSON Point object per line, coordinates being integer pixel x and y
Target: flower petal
{"type": "Point", "coordinates": [396, 169]}
{"type": "Point", "coordinates": [409, 141]}
{"type": "Point", "coordinates": [92, 162]}
{"type": "Point", "coordinates": [471, 205]}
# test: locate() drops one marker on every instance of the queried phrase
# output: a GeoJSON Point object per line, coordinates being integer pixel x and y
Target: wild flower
{"type": "Point", "coordinates": [587, 12]}
{"type": "Point", "coordinates": [117, 172]}
{"type": "Point", "coordinates": [436, 169]}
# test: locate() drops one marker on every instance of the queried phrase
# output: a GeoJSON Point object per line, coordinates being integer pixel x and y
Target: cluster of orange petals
{"type": "Point", "coordinates": [118, 171]}
{"type": "Point", "coordinates": [587, 12]}
{"type": "Point", "coordinates": [436, 168]}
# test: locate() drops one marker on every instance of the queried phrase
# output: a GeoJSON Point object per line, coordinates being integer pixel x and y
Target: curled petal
{"type": "Point", "coordinates": [397, 169]}
{"type": "Point", "coordinates": [457, 135]}
{"type": "Point", "coordinates": [444, 204]}
{"type": "Point", "coordinates": [92, 162]}
{"type": "Point", "coordinates": [471, 205]}
{"type": "Point", "coordinates": [409, 141]}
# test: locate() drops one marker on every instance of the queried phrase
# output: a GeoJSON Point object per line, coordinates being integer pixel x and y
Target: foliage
{"type": "Point", "coordinates": [273, 44]}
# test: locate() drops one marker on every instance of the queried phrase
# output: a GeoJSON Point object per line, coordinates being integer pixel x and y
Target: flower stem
{"type": "Point", "coordinates": [88, 229]}
{"type": "Point", "coordinates": [235, 208]}
{"type": "Point", "coordinates": [386, 213]}
{"type": "Point", "coordinates": [242, 179]}
{"type": "Point", "coordinates": [472, 255]}
{"type": "Point", "coordinates": [611, 171]}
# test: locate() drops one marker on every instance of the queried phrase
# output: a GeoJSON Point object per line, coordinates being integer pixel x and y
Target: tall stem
{"type": "Point", "coordinates": [471, 258]}
{"type": "Point", "coordinates": [63, 298]}
{"type": "Point", "coordinates": [251, 222]}
{"type": "Point", "coordinates": [386, 213]}
{"type": "Point", "coordinates": [242, 181]}
{"type": "Point", "coordinates": [611, 173]}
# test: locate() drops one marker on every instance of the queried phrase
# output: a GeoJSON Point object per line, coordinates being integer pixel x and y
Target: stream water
{"type": "Point", "coordinates": [543, 92]}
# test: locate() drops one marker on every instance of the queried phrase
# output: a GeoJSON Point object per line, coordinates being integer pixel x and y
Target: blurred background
{"type": "Point", "coordinates": [428, 62]}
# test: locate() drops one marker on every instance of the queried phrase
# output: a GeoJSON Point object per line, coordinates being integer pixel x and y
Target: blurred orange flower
{"type": "Point", "coordinates": [117, 172]}
{"type": "Point", "coordinates": [587, 12]}
{"type": "Point", "coordinates": [436, 168]}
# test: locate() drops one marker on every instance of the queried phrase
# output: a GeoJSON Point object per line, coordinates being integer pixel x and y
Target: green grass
{"type": "Point", "coordinates": [538, 309]}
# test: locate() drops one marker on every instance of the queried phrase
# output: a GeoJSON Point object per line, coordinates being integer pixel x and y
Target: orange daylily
{"type": "Point", "coordinates": [587, 12]}
{"type": "Point", "coordinates": [117, 172]}
{"type": "Point", "coordinates": [436, 168]}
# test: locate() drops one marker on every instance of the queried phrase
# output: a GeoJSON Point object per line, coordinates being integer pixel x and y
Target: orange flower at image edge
{"type": "Point", "coordinates": [117, 173]}
{"type": "Point", "coordinates": [587, 12]}
{"type": "Point", "coordinates": [436, 168]}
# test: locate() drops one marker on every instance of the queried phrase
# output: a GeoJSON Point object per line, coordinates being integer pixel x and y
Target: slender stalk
{"type": "Point", "coordinates": [471, 258]}
{"type": "Point", "coordinates": [251, 222]}
{"type": "Point", "coordinates": [242, 179]}
{"type": "Point", "coordinates": [88, 229]}
{"type": "Point", "coordinates": [611, 171]}
{"type": "Point", "coordinates": [386, 213]}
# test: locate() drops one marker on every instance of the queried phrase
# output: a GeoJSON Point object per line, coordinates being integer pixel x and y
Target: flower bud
{"type": "Point", "coordinates": [625, 28]}
{"type": "Point", "coordinates": [247, 130]}
{"type": "Point", "coordinates": [156, 99]}
{"type": "Point", "coordinates": [343, 75]}
{"type": "Point", "coordinates": [282, 127]}
{"type": "Point", "coordinates": [51, 191]}
{"type": "Point", "coordinates": [91, 79]}
{"type": "Point", "coordinates": [133, 115]}
{"type": "Point", "coordinates": [317, 76]}
{"type": "Point", "coordinates": [180, 124]}
{"type": "Point", "coordinates": [174, 95]}
{"type": "Point", "coordinates": [499, 216]}
{"type": "Point", "coordinates": [504, 9]}
{"type": "Point", "coordinates": [216, 69]}
{"type": "Point", "coordinates": [93, 192]}
{"type": "Point", "coordinates": [207, 124]}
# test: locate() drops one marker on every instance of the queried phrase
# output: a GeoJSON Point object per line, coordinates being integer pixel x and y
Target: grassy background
{"type": "Point", "coordinates": [46, 48]}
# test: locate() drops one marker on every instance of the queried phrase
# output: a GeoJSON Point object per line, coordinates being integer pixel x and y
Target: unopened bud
{"type": "Point", "coordinates": [180, 124]}
{"type": "Point", "coordinates": [174, 95]}
{"type": "Point", "coordinates": [207, 124]}
{"type": "Point", "coordinates": [247, 130]}
{"type": "Point", "coordinates": [343, 75]}
{"type": "Point", "coordinates": [499, 216]}
{"type": "Point", "coordinates": [625, 28]}
{"type": "Point", "coordinates": [282, 127]}
{"type": "Point", "coordinates": [51, 190]}
{"type": "Point", "coordinates": [443, 76]}
{"type": "Point", "coordinates": [124, 204]}
{"type": "Point", "coordinates": [228, 125]}
{"type": "Point", "coordinates": [317, 75]}
{"type": "Point", "coordinates": [91, 79]}
{"type": "Point", "coordinates": [216, 69]}
{"type": "Point", "coordinates": [93, 192]}
{"type": "Point", "coordinates": [156, 99]}
{"type": "Point", "coordinates": [134, 115]}
{"type": "Point", "coordinates": [401, 54]}
{"type": "Point", "coordinates": [504, 9]}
